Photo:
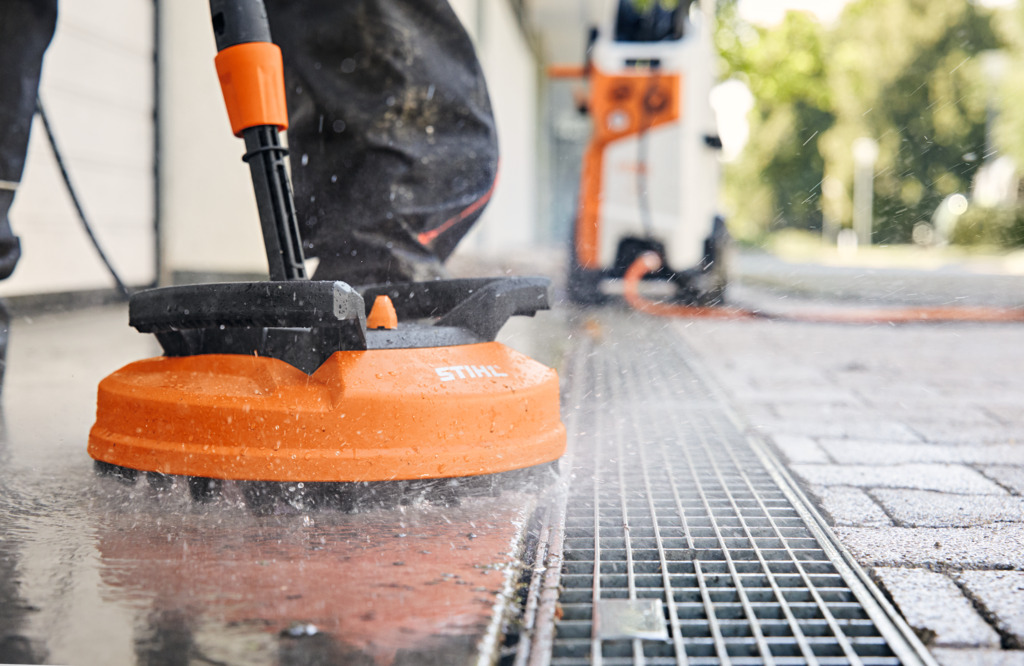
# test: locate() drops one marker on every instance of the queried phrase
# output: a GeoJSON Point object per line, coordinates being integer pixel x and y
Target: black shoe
{"type": "Point", "coordinates": [10, 252]}
{"type": "Point", "coordinates": [5, 328]}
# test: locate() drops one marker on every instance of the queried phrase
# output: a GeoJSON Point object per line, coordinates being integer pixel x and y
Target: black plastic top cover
{"type": "Point", "coordinates": [303, 322]}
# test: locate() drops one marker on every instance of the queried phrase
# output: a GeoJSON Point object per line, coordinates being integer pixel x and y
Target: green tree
{"type": "Point", "coordinates": [775, 184]}
{"type": "Point", "coordinates": [905, 73]}
{"type": "Point", "coordinates": [1008, 86]}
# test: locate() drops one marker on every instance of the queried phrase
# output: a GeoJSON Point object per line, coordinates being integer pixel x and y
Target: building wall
{"type": "Point", "coordinates": [208, 213]}
{"type": "Point", "coordinates": [511, 222]}
{"type": "Point", "coordinates": [97, 86]}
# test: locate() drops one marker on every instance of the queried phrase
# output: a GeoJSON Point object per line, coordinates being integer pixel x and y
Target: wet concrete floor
{"type": "Point", "coordinates": [94, 571]}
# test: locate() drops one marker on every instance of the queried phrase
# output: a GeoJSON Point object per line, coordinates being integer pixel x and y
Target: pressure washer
{"type": "Point", "coordinates": [291, 387]}
{"type": "Point", "coordinates": [649, 178]}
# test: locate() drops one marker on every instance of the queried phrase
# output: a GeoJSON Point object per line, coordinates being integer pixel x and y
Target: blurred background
{"type": "Point", "coordinates": [917, 99]}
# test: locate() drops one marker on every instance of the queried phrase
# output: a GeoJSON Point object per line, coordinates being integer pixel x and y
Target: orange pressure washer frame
{"type": "Point", "coordinates": [621, 105]}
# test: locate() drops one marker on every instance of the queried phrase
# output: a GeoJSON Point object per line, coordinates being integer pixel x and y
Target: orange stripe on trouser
{"type": "Point", "coordinates": [427, 237]}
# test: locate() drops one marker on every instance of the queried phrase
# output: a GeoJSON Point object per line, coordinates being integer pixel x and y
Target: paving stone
{"type": "Point", "coordinates": [850, 506]}
{"type": "Point", "coordinates": [947, 478]}
{"type": "Point", "coordinates": [1009, 477]}
{"type": "Point", "coordinates": [1011, 413]}
{"type": "Point", "coordinates": [800, 449]}
{"type": "Point", "coordinates": [1001, 594]}
{"type": "Point", "coordinates": [888, 395]}
{"type": "Point", "coordinates": [915, 411]}
{"type": "Point", "coordinates": [964, 414]}
{"type": "Point", "coordinates": [925, 508]}
{"type": "Point", "coordinates": [942, 431]}
{"type": "Point", "coordinates": [828, 411]}
{"type": "Point", "coordinates": [989, 547]}
{"type": "Point", "coordinates": [950, 657]}
{"type": "Point", "coordinates": [796, 396]}
{"type": "Point", "coordinates": [936, 609]}
{"type": "Point", "coordinates": [875, 429]}
{"type": "Point", "coordinates": [891, 453]}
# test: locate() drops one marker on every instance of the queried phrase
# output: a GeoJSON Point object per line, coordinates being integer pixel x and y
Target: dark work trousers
{"type": "Point", "coordinates": [393, 146]}
{"type": "Point", "coordinates": [26, 27]}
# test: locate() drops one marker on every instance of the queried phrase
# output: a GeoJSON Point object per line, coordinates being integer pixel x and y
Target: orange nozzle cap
{"type": "Point", "coordinates": [252, 80]}
{"type": "Point", "coordinates": [382, 314]}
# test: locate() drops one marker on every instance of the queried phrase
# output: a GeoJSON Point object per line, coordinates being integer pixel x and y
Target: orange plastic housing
{"type": "Point", "coordinates": [376, 415]}
{"type": "Point", "coordinates": [382, 314]}
{"type": "Point", "coordinates": [252, 80]}
{"type": "Point", "coordinates": [621, 105]}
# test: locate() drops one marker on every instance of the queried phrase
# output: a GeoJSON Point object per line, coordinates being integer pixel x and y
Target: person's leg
{"type": "Point", "coordinates": [26, 27]}
{"type": "Point", "coordinates": [393, 147]}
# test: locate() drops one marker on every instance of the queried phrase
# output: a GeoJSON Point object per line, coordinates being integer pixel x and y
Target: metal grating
{"type": "Point", "coordinates": [669, 501]}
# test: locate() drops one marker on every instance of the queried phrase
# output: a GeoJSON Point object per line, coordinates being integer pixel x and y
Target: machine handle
{"type": "Point", "coordinates": [239, 22]}
{"type": "Point", "coordinates": [252, 79]}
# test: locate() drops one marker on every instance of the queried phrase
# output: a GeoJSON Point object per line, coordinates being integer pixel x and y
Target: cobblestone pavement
{"type": "Point", "coordinates": [911, 440]}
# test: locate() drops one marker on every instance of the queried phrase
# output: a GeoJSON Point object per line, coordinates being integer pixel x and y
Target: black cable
{"type": "Point", "coordinates": [74, 199]}
{"type": "Point", "coordinates": [642, 189]}
{"type": "Point", "coordinates": [653, 103]}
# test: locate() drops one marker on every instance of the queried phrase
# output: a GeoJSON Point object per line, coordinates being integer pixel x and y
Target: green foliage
{"type": "Point", "coordinates": [904, 72]}
{"type": "Point", "coordinates": [776, 182]}
{"type": "Point", "coordinates": [1008, 70]}
{"type": "Point", "coordinates": [999, 227]}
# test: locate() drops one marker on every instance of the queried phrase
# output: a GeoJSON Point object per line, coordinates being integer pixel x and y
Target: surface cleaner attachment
{"type": "Point", "coordinates": [286, 381]}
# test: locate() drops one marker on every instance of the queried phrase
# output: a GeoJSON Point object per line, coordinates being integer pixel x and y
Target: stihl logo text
{"type": "Point", "coordinates": [453, 372]}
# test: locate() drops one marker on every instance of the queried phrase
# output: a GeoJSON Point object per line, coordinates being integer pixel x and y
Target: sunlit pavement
{"type": "Point", "coordinates": [910, 438]}
{"type": "Point", "coordinates": [907, 437]}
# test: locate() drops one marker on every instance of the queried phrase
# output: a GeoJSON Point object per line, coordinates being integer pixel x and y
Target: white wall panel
{"type": "Point", "coordinates": [209, 217]}
{"type": "Point", "coordinates": [510, 221]}
{"type": "Point", "coordinates": [98, 89]}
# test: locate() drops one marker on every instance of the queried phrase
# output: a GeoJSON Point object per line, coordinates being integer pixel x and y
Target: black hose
{"type": "Point", "coordinates": [652, 104]}
{"type": "Point", "coordinates": [642, 186]}
{"type": "Point", "coordinates": [74, 199]}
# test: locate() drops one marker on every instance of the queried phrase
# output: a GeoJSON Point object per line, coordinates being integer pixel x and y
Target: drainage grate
{"type": "Point", "coordinates": [670, 507]}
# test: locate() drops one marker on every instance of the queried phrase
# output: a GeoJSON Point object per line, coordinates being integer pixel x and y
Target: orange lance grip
{"type": "Point", "coordinates": [252, 80]}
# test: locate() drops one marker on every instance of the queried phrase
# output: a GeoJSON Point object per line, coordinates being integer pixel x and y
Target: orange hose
{"type": "Point", "coordinates": [650, 262]}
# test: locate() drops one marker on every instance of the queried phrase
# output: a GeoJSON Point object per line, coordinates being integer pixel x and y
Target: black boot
{"type": "Point", "coordinates": [5, 329]}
